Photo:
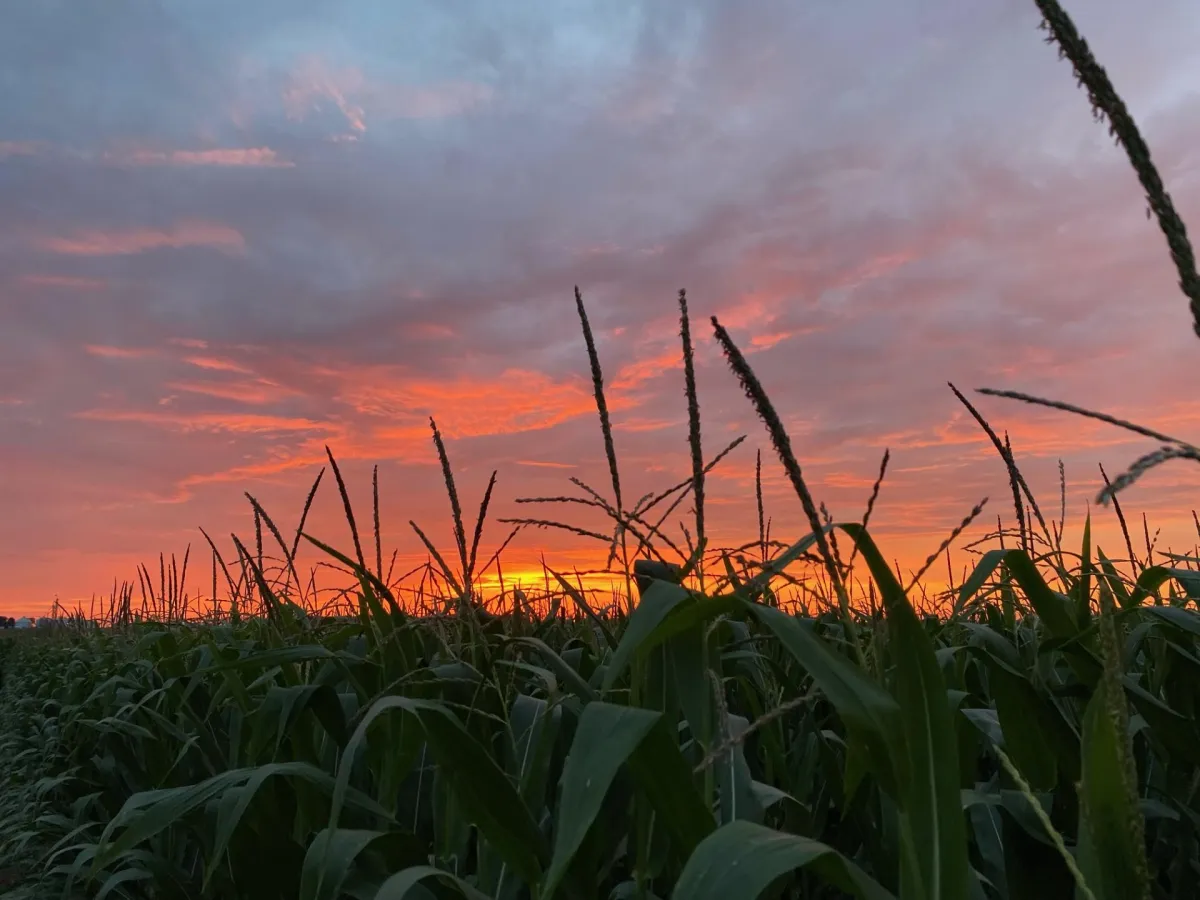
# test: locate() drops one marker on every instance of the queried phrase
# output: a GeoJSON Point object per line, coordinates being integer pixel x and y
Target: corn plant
{"type": "Point", "coordinates": [726, 730]}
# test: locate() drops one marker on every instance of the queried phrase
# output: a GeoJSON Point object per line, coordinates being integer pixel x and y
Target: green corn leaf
{"type": "Point", "coordinates": [665, 777]}
{"type": "Point", "coordinates": [1083, 586]}
{"type": "Point", "coordinates": [1183, 620]}
{"type": "Point", "coordinates": [1154, 577]}
{"type": "Point", "coordinates": [406, 885]}
{"type": "Point", "coordinates": [739, 861]}
{"type": "Point", "coordinates": [570, 677]}
{"type": "Point", "coordinates": [1018, 706]}
{"type": "Point", "coordinates": [1052, 608]}
{"type": "Point", "coordinates": [666, 610]}
{"type": "Point", "coordinates": [606, 737]}
{"type": "Point", "coordinates": [1112, 858]}
{"type": "Point", "coordinates": [935, 868]}
{"type": "Point", "coordinates": [482, 790]}
{"type": "Point", "coordinates": [332, 854]}
{"type": "Point", "coordinates": [864, 706]}
{"type": "Point", "coordinates": [988, 563]}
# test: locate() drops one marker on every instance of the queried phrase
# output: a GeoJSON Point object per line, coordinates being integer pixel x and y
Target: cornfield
{"type": "Point", "coordinates": [723, 730]}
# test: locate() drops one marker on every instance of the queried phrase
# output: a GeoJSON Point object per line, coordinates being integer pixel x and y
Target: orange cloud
{"type": "Point", "coordinates": [633, 375]}
{"type": "Point", "coordinates": [1042, 432]}
{"type": "Point", "coordinates": [118, 352]}
{"type": "Point", "coordinates": [310, 456]}
{"type": "Point", "coordinates": [141, 240]}
{"type": "Point", "coordinates": [767, 341]}
{"type": "Point", "coordinates": [750, 309]}
{"type": "Point", "coordinates": [515, 400]}
{"type": "Point", "coordinates": [217, 365]}
{"type": "Point", "coordinates": [759, 309]}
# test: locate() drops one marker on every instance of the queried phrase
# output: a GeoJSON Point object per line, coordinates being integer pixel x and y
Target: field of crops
{"type": "Point", "coordinates": [773, 720]}
{"type": "Point", "coordinates": [1034, 741]}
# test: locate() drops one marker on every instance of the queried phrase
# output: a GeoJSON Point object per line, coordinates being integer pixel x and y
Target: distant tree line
{"type": "Point", "coordinates": [8, 622]}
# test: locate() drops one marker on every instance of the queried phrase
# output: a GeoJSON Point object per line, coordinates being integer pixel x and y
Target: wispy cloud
{"type": "Point", "coordinates": [19, 148]}
{"type": "Point", "coordinates": [254, 392]}
{"type": "Point", "coordinates": [216, 363]}
{"type": "Point", "coordinates": [107, 352]}
{"type": "Point", "coordinates": [511, 401]}
{"type": "Point", "coordinates": [142, 240]}
{"type": "Point", "coordinates": [315, 84]}
{"type": "Point", "coordinates": [543, 464]}
{"type": "Point", "coordinates": [213, 422]}
{"type": "Point", "coordinates": [226, 157]}
{"type": "Point", "coordinates": [66, 282]}
{"type": "Point", "coordinates": [431, 101]}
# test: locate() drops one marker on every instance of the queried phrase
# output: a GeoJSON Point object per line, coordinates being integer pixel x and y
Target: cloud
{"type": "Point", "coordinates": [434, 101]}
{"type": "Point", "coordinates": [129, 242]}
{"type": "Point", "coordinates": [636, 373]}
{"type": "Point", "coordinates": [213, 363]}
{"type": "Point", "coordinates": [213, 422]}
{"type": "Point", "coordinates": [543, 464]}
{"type": "Point", "coordinates": [234, 157]}
{"type": "Point", "coordinates": [254, 392]}
{"type": "Point", "coordinates": [119, 352]}
{"type": "Point", "coordinates": [66, 282]}
{"type": "Point", "coordinates": [314, 84]}
{"type": "Point", "coordinates": [18, 148]}
{"type": "Point", "coordinates": [513, 400]}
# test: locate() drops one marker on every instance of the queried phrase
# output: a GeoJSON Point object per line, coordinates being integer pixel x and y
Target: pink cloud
{"type": "Point", "coordinates": [19, 148]}
{"type": "Point", "coordinates": [210, 422]}
{"type": "Point", "coordinates": [217, 364]}
{"type": "Point", "coordinates": [255, 392]}
{"type": "Point", "coordinates": [433, 330]}
{"type": "Point", "coordinates": [315, 84]}
{"type": "Point", "coordinates": [64, 281]}
{"type": "Point", "coordinates": [246, 157]}
{"type": "Point", "coordinates": [431, 101]}
{"type": "Point", "coordinates": [141, 240]}
{"type": "Point", "coordinates": [107, 352]}
{"type": "Point", "coordinates": [635, 425]}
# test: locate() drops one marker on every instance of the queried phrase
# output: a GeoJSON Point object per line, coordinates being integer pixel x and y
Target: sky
{"type": "Point", "coordinates": [233, 234]}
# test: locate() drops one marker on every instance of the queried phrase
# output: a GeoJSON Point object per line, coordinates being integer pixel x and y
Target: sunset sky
{"type": "Point", "coordinates": [233, 233]}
